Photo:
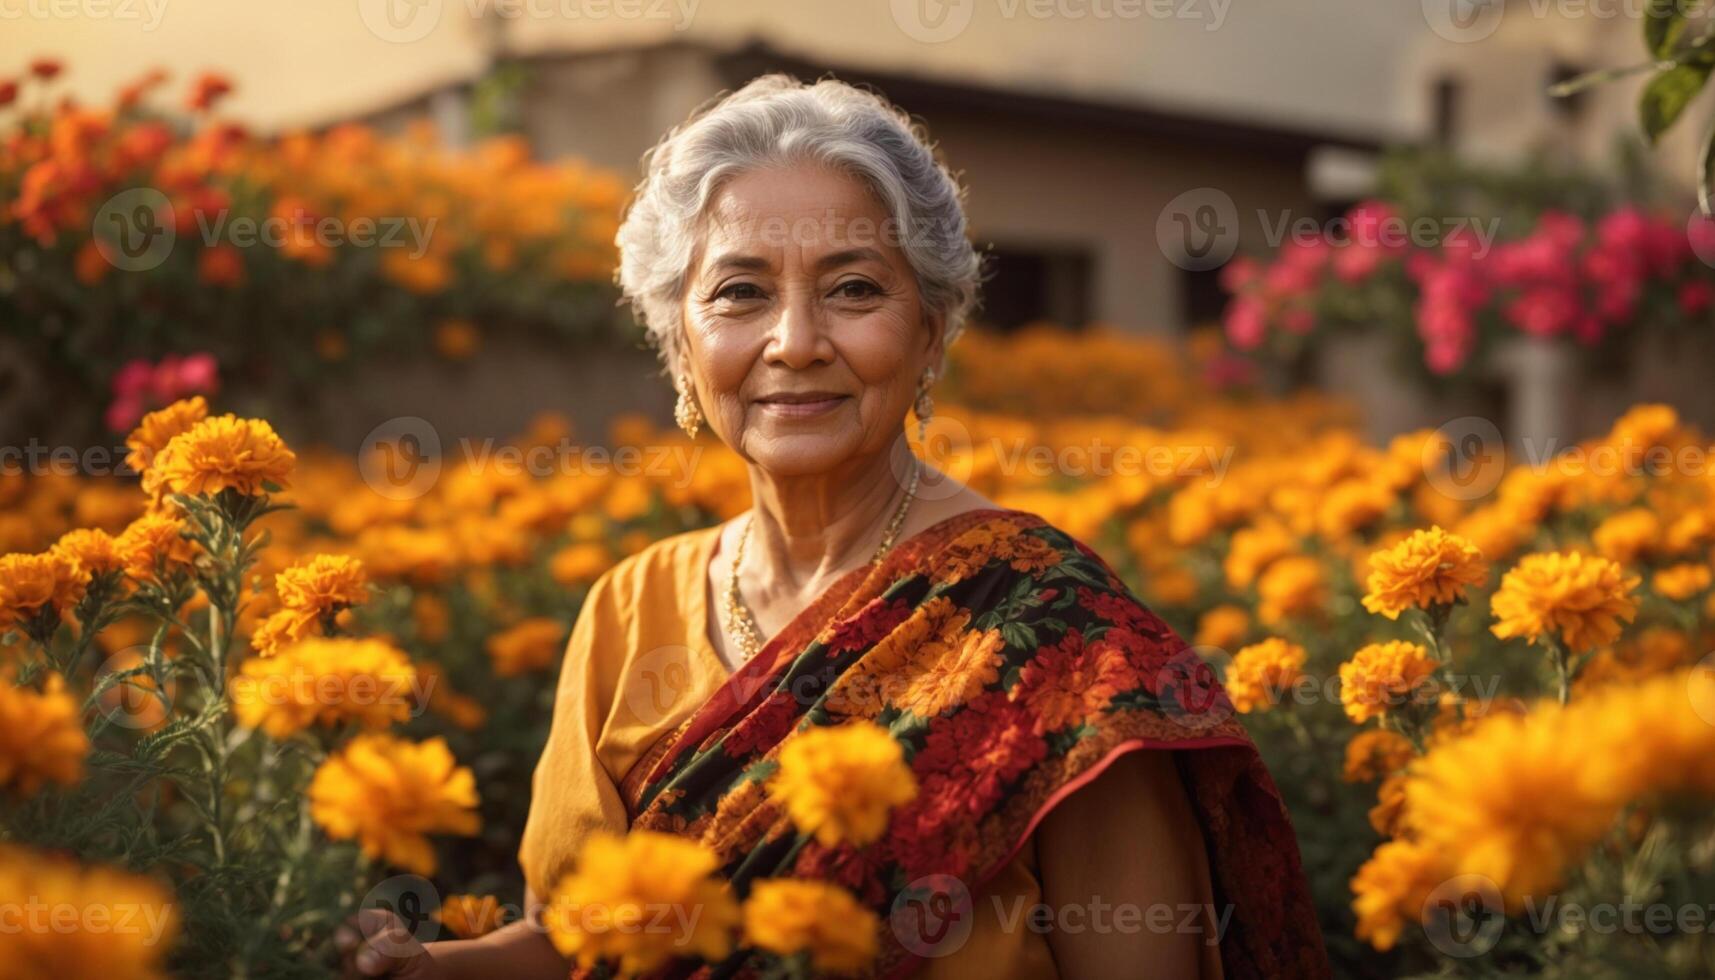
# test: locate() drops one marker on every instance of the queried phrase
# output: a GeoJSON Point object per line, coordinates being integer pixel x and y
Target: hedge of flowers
{"type": "Point", "coordinates": [128, 231]}
{"type": "Point", "coordinates": [247, 687]}
{"type": "Point", "coordinates": [1447, 301]}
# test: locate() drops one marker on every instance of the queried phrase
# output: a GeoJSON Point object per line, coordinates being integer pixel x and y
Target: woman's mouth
{"type": "Point", "coordinates": [800, 405]}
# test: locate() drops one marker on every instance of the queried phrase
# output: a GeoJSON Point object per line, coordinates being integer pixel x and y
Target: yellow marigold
{"type": "Point", "coordinates": [1253, 549]}
{"type": "Point", "coordinates": [641, 900]}
{"type": "Point", "coordinates": [580, 563]}
{"type": "Point", "coordinates": [1654, 650]}
{"type": "Point", "coordinates": [222, 453]}
{"type": "Point", "coordinates": [1429, 568]}
{"type": "Point", "coordinates": [93, 551]}
{"type": "Point", "coordinates": [33, 584]}
{"type": "Point", "coordinates": [1294, 586]}
{"type": "Point", "coordinates": [1390, 805]}
{"type": "Point", "coordinates": [326, 682]}
{"type": "Point", "coordinates": [470, 916]}
{"type": "Point", "coordinates": [1628, 534]}
{"type": "Point", "coordinates": [1350, 505]}
{"type": "Point", "coordinates": [1659, 734]}
{"type": "Point", "coordinates": [281, 629]}
{"type": "Point", "coordinates": [1390, 889]}
{"type": "Point", "coordinates": [154, 547]}
{"type": "Point", "coordinates": [1381, 676]}
{"type": "Point", "coordinates": [41, 736]}
{"type": "Point", "coordinates": [1581, 599]}
{"type": "Point", "coordinates": [531, 644]}
{"type": "Point", "coordinates": [63, 925]}
{"type": "Point", "coordinates": [323, 584]}
{"type": "Point", "coordinates": [158, 428]}
{"type": "Point", "coordinates": [1681, 582]}
{"type": "Point", "coordinates": [1262, 672]}
{"type": "Point", "coordinates": [1518, 799]}
{"type": "Point", "coordinates": [840, 783]}
{"type": "Point", "coordinates": [792, 916]}
{"type": "Point", "coordinates": [1224, 626]}
{"type": "Point", "coordinates": [389, 793]}
{"type": "Point", "coordinates": [1376, 753]}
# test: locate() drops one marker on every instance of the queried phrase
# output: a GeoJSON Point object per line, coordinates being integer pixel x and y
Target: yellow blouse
{"type": "Point", "coordinates": [638, 664]}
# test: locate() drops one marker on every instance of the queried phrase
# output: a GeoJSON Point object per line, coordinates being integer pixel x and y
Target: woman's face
{"type": "Point", "coordinates": [805, 338]}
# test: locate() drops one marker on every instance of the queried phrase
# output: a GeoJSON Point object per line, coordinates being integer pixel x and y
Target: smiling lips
{"type": "Point", "coordinates": [800, 404]}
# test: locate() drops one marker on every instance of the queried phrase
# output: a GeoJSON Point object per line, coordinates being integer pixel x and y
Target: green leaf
{"type": "Point", "coordinates": [1667, 95]}
{"type": "Point", "coordinates": [1664, 24]}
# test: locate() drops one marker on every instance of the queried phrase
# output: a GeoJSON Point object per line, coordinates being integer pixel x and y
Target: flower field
{"type": "Point", "coordinates": [247, 688]}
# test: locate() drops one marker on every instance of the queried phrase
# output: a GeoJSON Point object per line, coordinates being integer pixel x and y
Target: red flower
{"type": "Point", "coordinates": [1070, 682]}
{"type": "Point", "coordinates": [8, 91]}
{"type": "Point", "coordinates": [867, 626]}
{"type": "Point", "coordinates": [208, 89]}
{"type": "Point", "coordinates": [764, 727]}
{"type": "Point", "coordinates": [978, 751]}
{"type": "Point", "coordinates": [220, 265]}
{"type": "Point", "coordinates": [46, 68]}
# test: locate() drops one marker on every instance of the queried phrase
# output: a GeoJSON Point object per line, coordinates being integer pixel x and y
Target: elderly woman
{"type": "Point", "coordinates": [1087, 806]}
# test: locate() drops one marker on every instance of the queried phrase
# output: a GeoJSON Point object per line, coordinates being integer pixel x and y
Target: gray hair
{"type": "Point", "coordinates": [777, 120]}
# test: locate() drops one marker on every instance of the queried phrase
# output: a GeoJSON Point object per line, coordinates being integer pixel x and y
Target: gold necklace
{"type": "Point", "coordinates": [742, 625]}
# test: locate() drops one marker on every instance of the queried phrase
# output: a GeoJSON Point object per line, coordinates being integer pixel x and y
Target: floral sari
{"type": "Point", "coordinates": [1013, 666]}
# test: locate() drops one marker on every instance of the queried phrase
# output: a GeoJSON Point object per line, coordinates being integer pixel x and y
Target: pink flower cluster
{"type": "Point", "coordinates": [1567, 278]}
{"type": "Point", "coordinates": [140, 387]}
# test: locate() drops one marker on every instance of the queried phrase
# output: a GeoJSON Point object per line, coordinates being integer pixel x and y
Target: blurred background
{"type": "Point", "coordinates": [1119, 155]}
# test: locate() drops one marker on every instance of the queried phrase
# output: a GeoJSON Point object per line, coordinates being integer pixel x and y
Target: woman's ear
{"type": "Point", "coordinates": [937, 352]}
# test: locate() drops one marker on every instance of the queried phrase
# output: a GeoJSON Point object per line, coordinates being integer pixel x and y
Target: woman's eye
{"type": "Point", "coordinates": [739, 291]}
{"type": "Point", "coordinates": [856, 289]}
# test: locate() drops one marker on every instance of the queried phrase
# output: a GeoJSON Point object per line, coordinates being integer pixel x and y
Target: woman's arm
{"type": "Point", "coordinates": [1126, 877]}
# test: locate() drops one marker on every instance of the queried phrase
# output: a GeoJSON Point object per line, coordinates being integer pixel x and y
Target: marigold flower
{"type": "Point", "coordinates": [1262, 672]}
{"type": "Point", "coordinates": [1431, 567]}
{"type": "Point", "coordinates": [1581, 599]}
{"type": "Point", "coordinates": [1224, 626]}
{"type": "Point", "coordinates": [1626, 535]}
{"type": "Point", "coordinates": [41, 736]}
{"type": "Point", "coordinates": [389, 793]}
{"type": "Point", "coordinates": [154, 547]}
{"type": "Point", "coordinates": [580, 563]}
{"type": "Point", "coordinates": [222, 453]}
{"type": "Point", "coordinates": [792, 916]}
{"type": "Point", "coordinates": [1390, 889]}
{"type": "Point", "coordinates": [1385, 816]}
{"type": "Point", "coordinates": [640, 901]}
{"type": "Point", "coordinates": [324, 682]}
{"type": "Point", "coordinates": [158, 428]}
{"type": "Point", "coordinates": [531, 644]}
{"type": "Point", "coordinates": [1381, 676]}
{"type": "Point", "coordinates": [471, 916]}
{"type": "Point", "coordinates": [841, 783]}
{"type": "Point", "coordinates": [1376, 753]}
{"type": "Point", "coordinates": [74, 936]}
{"type": "Point", "coordinates": [93, 551]}
{"type": "Point", "coordinates": [1681, 582]}
{"type": "Point", "coordinates": [323, 584]}
{"type": "Point", "coordinates": [1292, 587]}
{"type": "Point", "coordinates": [33, 584]}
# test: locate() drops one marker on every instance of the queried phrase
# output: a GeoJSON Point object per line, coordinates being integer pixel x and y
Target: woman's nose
{"type": "Point", "coordinates": [799, 339]}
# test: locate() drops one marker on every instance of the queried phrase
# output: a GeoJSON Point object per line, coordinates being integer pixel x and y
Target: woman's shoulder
{"type": "Point", "coordinates": [663, 568]}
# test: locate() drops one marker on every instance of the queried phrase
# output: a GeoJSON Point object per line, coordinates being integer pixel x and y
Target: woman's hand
{"type": "Point", "coordinates": [375, 943]}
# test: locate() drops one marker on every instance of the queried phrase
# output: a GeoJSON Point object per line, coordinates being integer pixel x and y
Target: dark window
{"type": "Point", "coordinates": [1026, 284]}
{"type": "Point", "coordinates": [1445, 111]}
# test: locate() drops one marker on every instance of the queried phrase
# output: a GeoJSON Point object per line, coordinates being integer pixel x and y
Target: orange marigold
{"type": "Point", "coordinates": [1262, 672]}
{"type": "Point", "coordinates": [222, 453]}
{"type": "Point", "coordinates": [471, 916]}
{"type": "Point", "coordinates": [158, 428]}
{"type": "Point", "coordinates": [1431, 567]}
{"type": "Point", "coordinates": [323, 584]}
{"type": "Point", "coordinates": [389, 794]}
{"type": "Point", "coordinates": [1579, 599]}
{"type": "Point", "coordinates": [793, 916]}
{"type": "Point", "coordinates": [529, 645]}
{"type": "Point", "coordinates": [31, 585]}
{"type": "Point", "coordinates": [1381, 676]}
{"type": "Point", "coordinates": [41, 736]}
{"type": "Point", "coordinates": [841, 783]}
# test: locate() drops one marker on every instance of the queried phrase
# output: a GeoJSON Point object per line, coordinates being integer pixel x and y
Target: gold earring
{"type": "Point", "coordinates": [685, 411]}
{"type": "Point", "coordinates": [924, 407]}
